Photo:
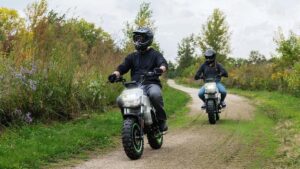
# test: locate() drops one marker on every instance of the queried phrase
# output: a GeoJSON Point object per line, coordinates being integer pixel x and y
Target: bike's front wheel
{"type": "Point", "coordinates": [133, 142]}
{"type": "Point", "coordinates": [211, 111]}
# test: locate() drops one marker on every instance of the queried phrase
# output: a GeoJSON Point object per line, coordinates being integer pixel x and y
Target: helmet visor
{"type": "Point", "coordinates": [139, 38]}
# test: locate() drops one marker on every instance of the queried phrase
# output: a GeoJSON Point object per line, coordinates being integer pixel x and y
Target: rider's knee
{"type": "Point", "coordinates": [155, 95]}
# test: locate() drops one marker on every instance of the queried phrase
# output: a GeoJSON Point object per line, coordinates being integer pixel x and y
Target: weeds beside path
{"type": "Point", "coordinates": [39, 145]}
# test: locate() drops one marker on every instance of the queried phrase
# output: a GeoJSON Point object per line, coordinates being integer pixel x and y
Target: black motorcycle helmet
{"type": "Point", "coordinates": [210, 55]}
{"type": "Point", "coordinates": [142, 38]}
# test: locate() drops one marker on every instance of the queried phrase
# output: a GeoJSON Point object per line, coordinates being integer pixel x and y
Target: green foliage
{"type": "Point", "coordinates": [293, 79]}
{"type": "Point", "coordinates": [186, 53]}
{"type": "Point", "coordinates": [11, 24]}
{"type": "Point", "coordinates": [56, 68]}
{"type": "Point", "coordinates": [215, 34]}
{"type": "Point", "coordinates": [251, 76]}
{"type": "Point", "coordinates": [37, 145]}
{"type": "Point", "coordinates": [171, 73]}
{"type": "Point", "coordinates": [91, 34]}
{"type": "Point", "coordinates": [34, 146]}
{"type": "Point", "coordinates": [288, 49]}
{"type": "Point", "coordinates": [280, 73]}
{"type": "Point", "coordinates": [283, 110]}
{"type": "Point", "coordinates": [256, 58]}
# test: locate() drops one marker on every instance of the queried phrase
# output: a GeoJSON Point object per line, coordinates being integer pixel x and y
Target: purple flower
{"type": "Point", "coordinates": [28, 118]}
{"type": "Point", "coordinates": [27, 71]}
{"type": "Point", "coordinates": [21, 77]}
{"type": "Point", "coordinates": [32, 85]}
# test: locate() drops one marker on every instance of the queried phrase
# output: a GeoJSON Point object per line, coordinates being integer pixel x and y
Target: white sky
{"type": "Point", "coordinates": [253, 23]}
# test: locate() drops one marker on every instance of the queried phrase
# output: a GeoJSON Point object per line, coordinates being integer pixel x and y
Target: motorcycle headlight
{"type": "Point", "coordinates": [131, 100]}
{"type": "Point", "coordinates": [210, 87]}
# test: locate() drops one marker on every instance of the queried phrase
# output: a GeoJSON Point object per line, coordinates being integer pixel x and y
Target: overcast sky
{"type": "Point", "coordinates": [253, 23]}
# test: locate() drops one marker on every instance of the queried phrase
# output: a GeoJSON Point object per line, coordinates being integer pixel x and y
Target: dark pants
{"type": "Point", "coordinates": [153, 91]}
{"type": "Point", "coordinates": [221, 88]}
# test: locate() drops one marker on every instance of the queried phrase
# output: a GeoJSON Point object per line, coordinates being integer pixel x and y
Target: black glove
{"type": "Point", "coordinates": [197, 77]}
{"type": "Point", "coordinates": [158, 71]}
{"type": "Point", "coordinates": [112, 78]}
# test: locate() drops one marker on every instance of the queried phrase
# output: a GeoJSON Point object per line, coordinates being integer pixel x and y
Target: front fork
{"type": "Point", "coordinates": [126, 112]}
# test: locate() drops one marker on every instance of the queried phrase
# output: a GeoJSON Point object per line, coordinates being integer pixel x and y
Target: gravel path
{"type": "Point", "coordinates": [199, 146]}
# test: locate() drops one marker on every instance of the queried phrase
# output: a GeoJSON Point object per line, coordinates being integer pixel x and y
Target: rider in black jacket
{"type": "Point", "coordinates": [146, 59]}
{"type": "Point", "coordinates": [211, 69]}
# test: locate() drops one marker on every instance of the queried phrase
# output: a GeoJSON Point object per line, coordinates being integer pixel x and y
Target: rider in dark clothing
{"type": "Point", "coordinates": [139, 63]}
{"type": "Point", "coordinates": [146, 59]}
{"type": "Point", "coordinates": [211, 69]}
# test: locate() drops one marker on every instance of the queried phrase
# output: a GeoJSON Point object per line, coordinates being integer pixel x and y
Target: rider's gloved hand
{"type": "Point", "coordinates": [158, 71]}
{"type": "Point", "coordinates": [197, 77]}
{"type": "Point", "coordinates": [112, 78]}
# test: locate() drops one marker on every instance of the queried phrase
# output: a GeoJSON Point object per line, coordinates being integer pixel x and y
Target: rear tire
{"type": "Point", "coordinates": [155, 139]}
{"type": "Point", "coordinates": [211, 111]}
{"type": "Point", "coordinates": [133, 142]}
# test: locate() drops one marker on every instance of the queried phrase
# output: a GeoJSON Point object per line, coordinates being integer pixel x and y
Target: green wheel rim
{"type": "Point", "coordinates": [137, 141]}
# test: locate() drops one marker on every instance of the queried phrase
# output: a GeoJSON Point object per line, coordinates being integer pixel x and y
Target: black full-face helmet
{"type": "Point", "coordinates": [210, 55]}
{"type": "Point", "coordinates": [142, 38]}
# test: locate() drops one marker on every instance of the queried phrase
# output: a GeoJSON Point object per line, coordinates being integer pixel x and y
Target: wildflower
{"type": "Point", "coordinates": [27, 71]}
{"type": "Point", "coordinates": [32, 85]}
{"type": "Point", "coordinates": [28, 118]}
{"type": "Point", "coordinates": [21, 77]}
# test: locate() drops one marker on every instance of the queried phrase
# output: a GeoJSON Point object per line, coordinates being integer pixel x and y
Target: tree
{"type": "Point", "coordinates": [10, 25]}
{"type": "Point", "coordinates": [215, 34]}
{"type": "Point", "coordinates": [171, 70]}
{"type": "Point", "coordinates": [256, 58]}
{"type": "Point", "coordinates": [91, 34]}
{"type": "Point", "coordinates": [186, 53]}
{"type": "Point", "coordinates": [288, 49]}
{"type": "Point", "coordinates": [143, 19]}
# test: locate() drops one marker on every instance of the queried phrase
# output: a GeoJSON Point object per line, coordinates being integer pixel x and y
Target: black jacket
{"type": "Point", "coordinates": [140, 63]}
{"type": "Point", "coordinates": [211, 70]}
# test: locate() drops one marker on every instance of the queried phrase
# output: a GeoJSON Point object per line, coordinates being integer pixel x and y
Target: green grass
{"type": "Point", "coordinates": [258, 135]}
{"type": "Point", "coordinates": [275, 126]}
{"type": "Point", "coordinates": [176, 107]}
{"type": "Point", "coordinates": [33, 146]}
{"type": "Point", "coordinates": [274, 133]}
{"type": "Point", "coordinates": [39, 145]}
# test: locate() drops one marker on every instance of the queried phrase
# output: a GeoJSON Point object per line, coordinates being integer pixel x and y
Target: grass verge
{"type": "Point", "coordinates": [275, 130]}
{"type": "Point", "coordinates": [38, 145]}
{"type": "Point", "coordinates": [274, 133]}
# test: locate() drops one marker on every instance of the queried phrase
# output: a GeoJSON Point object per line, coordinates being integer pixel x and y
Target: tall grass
{"type": "Point", "coordinates": [54, 68]}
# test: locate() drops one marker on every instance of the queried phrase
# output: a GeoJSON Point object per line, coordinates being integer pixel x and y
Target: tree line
{"type": "Point", "coordinates": [280, 72]}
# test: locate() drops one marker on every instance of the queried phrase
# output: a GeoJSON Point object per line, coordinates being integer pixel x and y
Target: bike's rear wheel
{"type": "Point", "coordinates": [155, 139]}
{"type": "Point", "coordinates": [211, 112]}
{"type": "Point", "coordinates": [133, 142]}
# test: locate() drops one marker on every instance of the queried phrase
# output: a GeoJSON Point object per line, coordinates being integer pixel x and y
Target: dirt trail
{"type": "Point", "coordinates": [199, 146]}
